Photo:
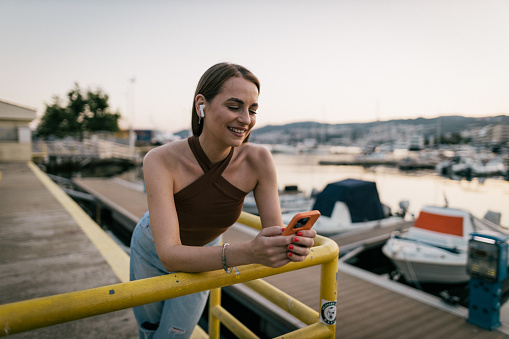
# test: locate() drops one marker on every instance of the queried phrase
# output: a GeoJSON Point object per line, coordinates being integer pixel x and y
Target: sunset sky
{"type": "Point", "coordinates": [327, 61]}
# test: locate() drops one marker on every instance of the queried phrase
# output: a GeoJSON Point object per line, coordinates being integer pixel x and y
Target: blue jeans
{"type": "Point", "coordinates": [172, 318]}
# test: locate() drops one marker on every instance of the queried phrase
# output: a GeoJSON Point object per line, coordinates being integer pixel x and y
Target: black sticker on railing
{"type": "Point", "coordinates": [328, 312]}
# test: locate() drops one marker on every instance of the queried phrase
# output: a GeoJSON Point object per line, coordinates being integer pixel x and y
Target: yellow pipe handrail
{"type": "Point", "coordinates": [317, 327]}
{"type": "Point", "coordinates": [250, 220]}
{"type": "Point", "coordinates": [231, 323]}
{"type": "Point", "coordinates": [36, 313]}
{"type": "Point", "coordinates": [287, 303]}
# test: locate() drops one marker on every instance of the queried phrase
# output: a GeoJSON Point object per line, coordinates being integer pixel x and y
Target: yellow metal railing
{"type": "Point", "coordinates": [31, 314]}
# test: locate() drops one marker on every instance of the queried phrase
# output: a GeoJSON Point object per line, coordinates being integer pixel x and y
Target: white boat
{"type": "Point", "coordinates": [435, 248]}
{"type": "Point", "coordinates": [350, 205]}
{"type": "Point", "coordinates": [489, 166]}
{"type": "Point", "coordinates": [472, 165]}
{"type": "Point", "coordinates": [284, 148]}
{"type": "Point", "coordinates": [291, 199]}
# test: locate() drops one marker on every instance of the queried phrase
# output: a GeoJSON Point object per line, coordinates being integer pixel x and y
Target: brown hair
{"type": "Point", "coordinates": [210, 85]}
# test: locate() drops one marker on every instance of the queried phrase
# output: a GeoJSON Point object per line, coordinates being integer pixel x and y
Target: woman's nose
{"type": "Point", "coordinates": [245, 117]}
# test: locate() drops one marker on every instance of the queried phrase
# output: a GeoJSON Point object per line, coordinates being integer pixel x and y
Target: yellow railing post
{"type": "Point", "coordinates": [328, 295]}
{"type": "Point", "coordinates": [214, 300]}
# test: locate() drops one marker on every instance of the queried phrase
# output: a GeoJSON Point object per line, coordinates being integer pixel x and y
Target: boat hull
{"type": "Point", "coordinates": [426, 264]}
{"type": "Point", "coordinates": [426, 272]}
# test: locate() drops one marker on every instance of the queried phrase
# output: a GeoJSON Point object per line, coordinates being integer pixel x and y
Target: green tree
{"type": "Point", "coordinates": [87, 111]}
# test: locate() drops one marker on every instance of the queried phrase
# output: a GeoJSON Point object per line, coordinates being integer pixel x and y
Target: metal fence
{"type": "Point", "coordinates": [92, 148]}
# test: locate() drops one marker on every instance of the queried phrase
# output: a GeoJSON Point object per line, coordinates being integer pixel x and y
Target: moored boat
{"type": "Point", "coordinates": [435, 248]}
{"type": "Point", "coordinates": [351, 205]}
{"type": "Point", "coordinates": [291, 199]}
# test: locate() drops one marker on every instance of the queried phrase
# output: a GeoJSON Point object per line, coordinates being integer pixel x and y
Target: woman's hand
{"type": "Point", "coordinates": [271, 249]}
{"type": "Point", "coordinates": [300, 245]}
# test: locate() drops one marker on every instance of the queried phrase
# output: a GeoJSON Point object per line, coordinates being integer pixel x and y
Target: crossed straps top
{"type": "Point", "coordinates": [209, 205]}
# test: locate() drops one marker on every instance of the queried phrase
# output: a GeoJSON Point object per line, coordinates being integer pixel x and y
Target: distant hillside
{"type": "Point", "coordinates": [184, 133]}
{"type": "Point", "coordinates": [446, 124]}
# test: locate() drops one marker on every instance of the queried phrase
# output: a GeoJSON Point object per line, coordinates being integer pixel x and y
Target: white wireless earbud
{"type": "Point", "coordinates": [201, 111]}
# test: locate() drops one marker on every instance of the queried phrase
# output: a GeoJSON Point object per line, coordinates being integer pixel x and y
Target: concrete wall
{"type": "Point", "coordinates": [13, 152]}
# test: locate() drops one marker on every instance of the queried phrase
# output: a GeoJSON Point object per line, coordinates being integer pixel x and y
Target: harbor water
{"type": "Point", "coordinates": [420, 188]}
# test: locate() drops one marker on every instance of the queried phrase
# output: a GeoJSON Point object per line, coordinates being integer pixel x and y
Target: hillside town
{"type": "Point", "coordinates": [417, 133]}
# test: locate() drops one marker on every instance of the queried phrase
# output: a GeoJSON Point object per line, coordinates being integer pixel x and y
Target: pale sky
{"type": "Point", "coordinates": [327, 61]}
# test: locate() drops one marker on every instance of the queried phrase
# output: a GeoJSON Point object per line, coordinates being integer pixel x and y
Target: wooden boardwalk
{"type": "Point", "coordinates": [45, 252]}
{"type": "Point", "coordinates": [367, 308]}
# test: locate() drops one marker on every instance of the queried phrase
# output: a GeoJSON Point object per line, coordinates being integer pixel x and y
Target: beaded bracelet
{"type": "Point", "coordinates": [223, 258]}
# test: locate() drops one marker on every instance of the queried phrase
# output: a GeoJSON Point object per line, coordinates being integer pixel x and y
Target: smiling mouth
{"type": "Point", "coordinates": [237, 130]}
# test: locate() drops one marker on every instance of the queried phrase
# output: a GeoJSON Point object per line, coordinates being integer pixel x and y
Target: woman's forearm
{"type": "Point", "coordinates": [180, 258]}
{"type": "Point", "coordinates": [268, 248]}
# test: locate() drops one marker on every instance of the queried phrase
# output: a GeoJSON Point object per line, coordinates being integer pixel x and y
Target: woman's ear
{"type": "Point", "coordinates": [198, 101]}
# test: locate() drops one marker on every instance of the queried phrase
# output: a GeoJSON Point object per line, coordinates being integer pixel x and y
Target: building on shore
{"type": "Point", "coordinates": [15, 135]}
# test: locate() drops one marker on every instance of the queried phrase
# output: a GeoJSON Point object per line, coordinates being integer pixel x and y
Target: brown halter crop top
{"type": "Point", "coordinates": [208, 206]}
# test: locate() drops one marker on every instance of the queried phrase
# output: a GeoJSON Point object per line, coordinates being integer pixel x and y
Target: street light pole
{"type": "Point", "coordinates": [132, 135]}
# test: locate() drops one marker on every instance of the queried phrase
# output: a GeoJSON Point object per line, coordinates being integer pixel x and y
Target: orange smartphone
{"type": "Point", "coordinates": [302, 221]}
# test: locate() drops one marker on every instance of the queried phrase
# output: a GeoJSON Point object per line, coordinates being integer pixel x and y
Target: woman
{"type": "Point", "coordinates": [195, 191]}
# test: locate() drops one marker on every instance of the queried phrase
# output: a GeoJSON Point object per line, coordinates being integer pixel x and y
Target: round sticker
{"type": "Point", "coordinates": [328, 312]}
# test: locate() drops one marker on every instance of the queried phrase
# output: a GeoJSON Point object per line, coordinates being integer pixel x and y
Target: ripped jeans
{"type": "Point", "coordinates": [172, 318]}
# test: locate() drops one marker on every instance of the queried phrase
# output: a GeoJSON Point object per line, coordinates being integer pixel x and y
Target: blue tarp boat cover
{"type": "Point", "coordinates": [360, 196]}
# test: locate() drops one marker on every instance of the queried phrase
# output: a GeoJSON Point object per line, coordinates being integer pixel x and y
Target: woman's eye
{"type": "Point", "coordinates": [233, 108]}
{"type": "Point", "coordinates": [252, 112]}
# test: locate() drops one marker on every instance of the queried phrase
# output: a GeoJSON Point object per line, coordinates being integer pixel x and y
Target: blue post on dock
{"type": "Point", "coordinates": [487, 266]}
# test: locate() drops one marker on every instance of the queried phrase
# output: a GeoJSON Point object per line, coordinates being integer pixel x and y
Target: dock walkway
{"type": "Point", "coordinates": [44, 251]}
{"type": "Point", "coordinates": [368, 307]}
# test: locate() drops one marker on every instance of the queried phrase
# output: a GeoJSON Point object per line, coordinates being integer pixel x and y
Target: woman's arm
{"type": "Point", "coordinates": [266, 190]}
{"type": "Point", "coordinates": [267, 201]}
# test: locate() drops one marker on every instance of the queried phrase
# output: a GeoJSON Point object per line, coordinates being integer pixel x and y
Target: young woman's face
{"type": "Point", "coordinates": [231, 115]}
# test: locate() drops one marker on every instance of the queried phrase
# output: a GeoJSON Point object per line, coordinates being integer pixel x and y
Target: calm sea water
{"type": "Point", "coordinates": [419, 188]}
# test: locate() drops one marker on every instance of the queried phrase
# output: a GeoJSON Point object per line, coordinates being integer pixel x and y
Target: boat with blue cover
{"type": "Point", "coordinates": [351, 205]}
